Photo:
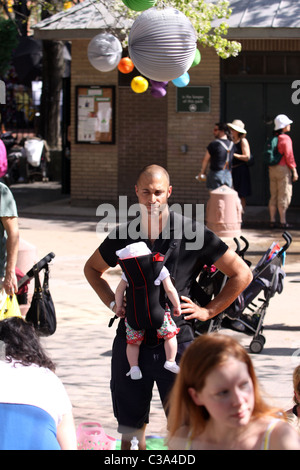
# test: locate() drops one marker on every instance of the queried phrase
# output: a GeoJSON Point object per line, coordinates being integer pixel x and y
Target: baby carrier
{"type": "Point", "coordinates": [145, 306]}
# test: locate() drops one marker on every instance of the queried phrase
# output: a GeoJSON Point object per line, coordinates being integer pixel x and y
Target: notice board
{"type": "Point", "coordinates": [95, 114]}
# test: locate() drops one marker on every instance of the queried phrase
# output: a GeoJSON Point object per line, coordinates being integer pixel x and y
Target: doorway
{"type": "Point", "coordinates": [256, 87]}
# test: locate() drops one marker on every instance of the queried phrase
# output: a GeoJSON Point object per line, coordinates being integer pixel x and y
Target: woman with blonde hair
{"type": "Point", "coordinates": [216, 403]}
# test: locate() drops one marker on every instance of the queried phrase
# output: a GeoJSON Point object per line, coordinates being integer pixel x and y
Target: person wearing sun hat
{"type": "Point", "coordinates": [283, 174]}
{"type": "Point", "coordinates": [240, 170]}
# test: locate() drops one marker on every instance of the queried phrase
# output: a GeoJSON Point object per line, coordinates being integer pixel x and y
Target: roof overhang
{"type": "Point", "coordinates": [250, 19]}
{"type": "Point", "coordinates": [83, 21]}
{"type": "Point", "coordinates": [263, 33]}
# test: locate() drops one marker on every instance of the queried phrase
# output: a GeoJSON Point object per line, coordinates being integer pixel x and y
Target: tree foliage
{"type": "Point", "coordinates": [8, 41]}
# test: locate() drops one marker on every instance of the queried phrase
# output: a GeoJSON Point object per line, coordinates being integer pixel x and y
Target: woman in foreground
{"type": "Point", "coordinates": [216, 404]}
{"type": "Point", "coordinates": [35, 410]}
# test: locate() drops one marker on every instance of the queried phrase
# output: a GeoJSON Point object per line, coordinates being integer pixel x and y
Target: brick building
{"type": "Point", "coordinates": [253, 87]}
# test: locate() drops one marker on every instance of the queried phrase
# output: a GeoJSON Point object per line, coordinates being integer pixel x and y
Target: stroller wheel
{"type": "Point", "coordinates": [257, 344]}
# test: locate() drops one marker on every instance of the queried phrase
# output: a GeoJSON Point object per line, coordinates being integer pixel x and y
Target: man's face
{"type": "Point", "coordinates": [216, 132]}
{"type": "Point", "coordinates": [153, 192]}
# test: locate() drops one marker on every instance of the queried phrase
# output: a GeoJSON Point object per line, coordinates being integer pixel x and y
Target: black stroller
{"type": "Point", "coordinates": [244, 315]}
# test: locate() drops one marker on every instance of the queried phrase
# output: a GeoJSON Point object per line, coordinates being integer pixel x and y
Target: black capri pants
{"type": "Point", "coordinates": [132, 398]}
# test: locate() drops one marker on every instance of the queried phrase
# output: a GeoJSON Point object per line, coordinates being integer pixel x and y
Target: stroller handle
{"type": "Point", "coordinates": [246, 245]}
{"type": "Point", "coordinates": [288, 238]}
{"type": "Point", "coordinates": [238, 246]}
{"type": "Point", "coordinates": [37, 267]}
{"type": "Point", "coordinates": [41, 264]}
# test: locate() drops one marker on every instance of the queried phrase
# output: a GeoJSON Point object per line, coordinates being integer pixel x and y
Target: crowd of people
{"type": "Point", "coordinates": [207, 385]}
{"type": "Point", "coordinates": [228, 158]}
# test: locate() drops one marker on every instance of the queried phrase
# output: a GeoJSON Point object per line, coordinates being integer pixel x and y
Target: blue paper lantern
{"type": "Point", "coordinates": [182, 81]}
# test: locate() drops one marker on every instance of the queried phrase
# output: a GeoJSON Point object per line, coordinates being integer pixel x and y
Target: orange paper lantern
{"type": "Point", "coordinates": [126, 65]}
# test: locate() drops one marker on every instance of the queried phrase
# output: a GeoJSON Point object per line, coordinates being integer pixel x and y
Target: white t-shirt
{"type": "Point", "coordinates": [36, 386]}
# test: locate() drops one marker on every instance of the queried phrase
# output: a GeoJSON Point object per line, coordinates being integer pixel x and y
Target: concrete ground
{"type": "Point", "coordinates": [81, 346]}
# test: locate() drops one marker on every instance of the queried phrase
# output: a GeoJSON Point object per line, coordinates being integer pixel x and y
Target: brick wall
{"type": "Point", "coordinates": [93, 167]}
{"type": "Point", "coordinates": [194, 130]}
{"type": "Point", "coordinates": [148, 130]}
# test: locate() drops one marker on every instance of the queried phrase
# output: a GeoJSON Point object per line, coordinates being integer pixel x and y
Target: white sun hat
{"type": "Point", "coordinates": [238, 126]}
{"type": "Point", "coordinates": [281, 121]}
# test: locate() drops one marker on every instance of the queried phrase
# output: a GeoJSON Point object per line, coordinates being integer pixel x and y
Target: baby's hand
{"type": "Point", "coordinates": [120, 312]}
{"type": "Point", "coordinates": [177, 311]}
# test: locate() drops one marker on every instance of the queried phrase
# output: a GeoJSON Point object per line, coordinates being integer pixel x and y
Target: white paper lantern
{"type": "Point", "coordinates": [104, 52]}
{"type": "Point", "coordinates": [162, 44]}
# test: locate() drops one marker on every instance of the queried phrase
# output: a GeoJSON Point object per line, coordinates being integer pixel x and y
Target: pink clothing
{"type": "Point", "coordinates": [3, 159]}
{"type": "Point", "coordinates": [285, 147]}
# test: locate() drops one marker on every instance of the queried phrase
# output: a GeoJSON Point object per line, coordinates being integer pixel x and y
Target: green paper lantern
{"type": "Point", "coordinates": [197, 58]}
{"type": "Point", "coordinates": [139, 5]}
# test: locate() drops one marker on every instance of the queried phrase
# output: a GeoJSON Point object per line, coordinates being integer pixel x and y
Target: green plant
{"type": "Point", "coordinates": [8, 41]}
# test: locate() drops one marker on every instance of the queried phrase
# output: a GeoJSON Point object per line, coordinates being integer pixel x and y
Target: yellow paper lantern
{"type": "Point", "coordinates": [139, 84]}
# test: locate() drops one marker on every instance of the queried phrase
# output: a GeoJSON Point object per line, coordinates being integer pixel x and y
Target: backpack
{"type": "Point", "coordinates": [271, 155]}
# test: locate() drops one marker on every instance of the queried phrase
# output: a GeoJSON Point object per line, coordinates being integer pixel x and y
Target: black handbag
{"type": "Point", "coordinates": [41, 312]}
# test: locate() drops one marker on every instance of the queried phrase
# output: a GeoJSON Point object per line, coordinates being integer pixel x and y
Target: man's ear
{"type": "Point", "coordinates": [170, 191]}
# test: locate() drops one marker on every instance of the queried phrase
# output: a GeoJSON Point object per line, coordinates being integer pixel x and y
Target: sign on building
{"type": "Point", "coordinates": [193, 99]}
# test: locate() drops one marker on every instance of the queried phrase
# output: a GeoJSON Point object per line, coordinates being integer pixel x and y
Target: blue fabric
{"type": "Point", "coordinates": [215, 179]}
{"type": "Point", "coordinates": [26, 427]}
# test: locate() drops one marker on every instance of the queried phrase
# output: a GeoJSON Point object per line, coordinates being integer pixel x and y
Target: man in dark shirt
{"type": "Point", "coordinates": [218, 156]}
{"type": "Point", "coordinates": [170, 234]}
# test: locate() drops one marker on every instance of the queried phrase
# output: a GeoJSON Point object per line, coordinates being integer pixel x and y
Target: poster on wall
{"type": "Point", "coordinates": [95, 107]}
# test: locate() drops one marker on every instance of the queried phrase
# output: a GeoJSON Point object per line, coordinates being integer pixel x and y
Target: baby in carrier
{"type": "Point", "coordinates": [143, 272]}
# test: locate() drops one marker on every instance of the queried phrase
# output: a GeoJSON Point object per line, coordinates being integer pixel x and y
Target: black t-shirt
{"type": "Point", "coordinates": [218, 154]}
{"type": "Point", "coordinates": [196, 246]}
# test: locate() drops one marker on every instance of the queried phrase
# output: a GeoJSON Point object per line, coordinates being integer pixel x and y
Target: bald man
{"type": "Point", "coordinates": [157, 225]}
